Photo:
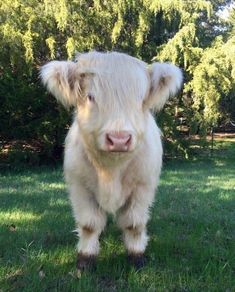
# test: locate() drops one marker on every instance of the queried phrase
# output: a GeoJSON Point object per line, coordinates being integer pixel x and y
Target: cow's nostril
{"type": "Point", "coordinates": [128, 142]}
{"type": "Point", "coordinates": [109, 140]}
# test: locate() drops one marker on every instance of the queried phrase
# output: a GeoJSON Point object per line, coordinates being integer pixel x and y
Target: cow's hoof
{"type": "Point", "coordinates": [86, 262]}
{"type": "Point", "coordinates": [138, 260]}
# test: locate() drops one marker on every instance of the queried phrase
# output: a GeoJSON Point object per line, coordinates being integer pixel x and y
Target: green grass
{"type": "Point", "coordinates": [191, 228]}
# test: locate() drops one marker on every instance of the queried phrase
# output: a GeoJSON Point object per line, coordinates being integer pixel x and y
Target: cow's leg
{"type": "Point", "coordinates": [132, 220]}
{"type": "Point", "coordinates": [90, 222]}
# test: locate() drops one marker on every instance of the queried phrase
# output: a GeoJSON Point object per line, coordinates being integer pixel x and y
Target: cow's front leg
{"type": "Point", "coordinates": [132, 220]}
{"type": "Point", "coordinates": [90, 222]}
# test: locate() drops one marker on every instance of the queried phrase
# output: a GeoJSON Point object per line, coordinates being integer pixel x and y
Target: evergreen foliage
{"type": "Point", "coordinates": [191, 34]}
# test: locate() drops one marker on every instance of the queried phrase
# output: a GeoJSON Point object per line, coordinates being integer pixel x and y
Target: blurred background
{"type": "Point", "coordinates": [198, 36]}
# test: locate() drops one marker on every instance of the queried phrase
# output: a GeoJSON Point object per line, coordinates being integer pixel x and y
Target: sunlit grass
{"type": "Point", "coordinates": [17, 217]}
{"type": "Point", "coordinates": [191, 245]}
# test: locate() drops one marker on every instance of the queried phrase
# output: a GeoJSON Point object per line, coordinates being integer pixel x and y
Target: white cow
{"type": "Point", "coordinates": [113, 150]}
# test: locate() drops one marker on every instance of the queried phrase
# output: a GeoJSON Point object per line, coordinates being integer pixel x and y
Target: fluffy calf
{"type": "Point", "coordinates": [113, 151]}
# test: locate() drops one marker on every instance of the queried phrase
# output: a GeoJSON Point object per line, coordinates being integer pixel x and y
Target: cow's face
{"type": "Point", "coordinates": [111, 114]}
{"type": "Point", "coordinates": [112, 93]}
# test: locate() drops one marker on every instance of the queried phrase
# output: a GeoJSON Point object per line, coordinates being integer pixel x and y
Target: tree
{"type": "Point", "coordinates": [187, 33]}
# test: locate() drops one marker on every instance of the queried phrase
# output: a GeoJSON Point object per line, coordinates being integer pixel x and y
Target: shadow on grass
{"type": "Point", "coordinates": [191, 231]}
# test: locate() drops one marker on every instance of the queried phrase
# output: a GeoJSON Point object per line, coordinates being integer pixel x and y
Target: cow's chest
{"type": "Point", "coordinates": [113, 190]}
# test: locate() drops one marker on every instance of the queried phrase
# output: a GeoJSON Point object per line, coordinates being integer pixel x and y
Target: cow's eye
{"type": "Point", "coordinates": [90, 97]}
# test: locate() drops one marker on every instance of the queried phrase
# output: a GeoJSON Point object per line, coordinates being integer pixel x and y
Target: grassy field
{"type": "Point", "coordinates": [192, 232]}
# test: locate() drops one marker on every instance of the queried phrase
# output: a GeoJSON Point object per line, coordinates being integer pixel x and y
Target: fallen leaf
{"type": "Point", "coordinates": [41, 274]}
{"type": "Point", "coordinates": [12, 228]}
{"type": "Point", "coordinates": [79, 274]}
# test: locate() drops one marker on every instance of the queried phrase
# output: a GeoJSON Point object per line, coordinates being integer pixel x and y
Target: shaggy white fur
{"type": "Point", "coordinates": [112, 93]}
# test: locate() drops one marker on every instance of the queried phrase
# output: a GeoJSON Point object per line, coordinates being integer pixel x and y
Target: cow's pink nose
{"type": "Point", "coordinates": [118, 141]}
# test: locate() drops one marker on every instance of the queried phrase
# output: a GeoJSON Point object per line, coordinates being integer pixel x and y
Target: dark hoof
{"type": "Point", "coordinates": [86, 262]}
{"type": "Point", "coordinates": [137, 260]}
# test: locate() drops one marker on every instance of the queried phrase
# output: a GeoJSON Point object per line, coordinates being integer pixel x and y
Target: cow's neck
{"type": "Point", "coordinates": [109, 173]}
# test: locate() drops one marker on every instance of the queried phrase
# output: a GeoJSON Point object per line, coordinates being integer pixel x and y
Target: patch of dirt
{"type": "Point", "coordinates": [217, 136]}
{"type": "Point", "coordinates": [32, 146]}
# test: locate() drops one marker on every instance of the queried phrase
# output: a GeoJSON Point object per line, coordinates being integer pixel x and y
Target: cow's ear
{"type": "Point", "coordinates": [61, 80]}
{"type": "Point", "coordinates": [165, 80]}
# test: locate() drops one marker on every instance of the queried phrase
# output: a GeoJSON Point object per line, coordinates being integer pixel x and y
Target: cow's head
{"type": "Point", "coordinates": [112, 93]}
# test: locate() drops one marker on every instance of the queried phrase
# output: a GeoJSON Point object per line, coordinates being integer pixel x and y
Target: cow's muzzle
{"type": "Point", "coordinates": [118, 141]}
